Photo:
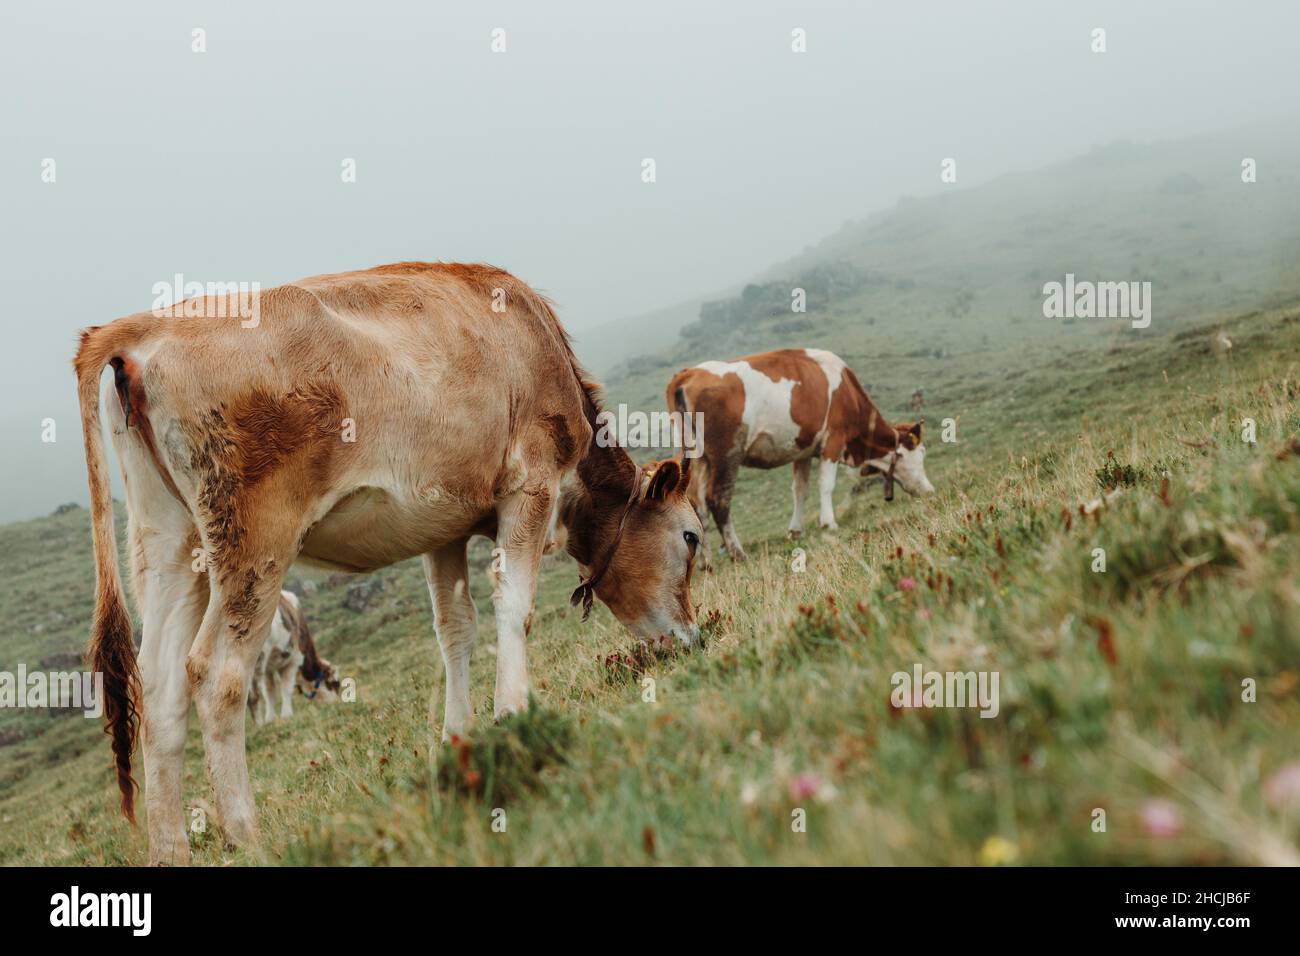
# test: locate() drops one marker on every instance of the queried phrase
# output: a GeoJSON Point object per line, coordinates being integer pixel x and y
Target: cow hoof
{"type": "Point", "coordinates": [795, 534]}
{"type": "Point", "coordinates": [176, 854]}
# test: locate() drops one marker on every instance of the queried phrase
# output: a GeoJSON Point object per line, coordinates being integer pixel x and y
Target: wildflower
{"type": "Point", "coordinates": [998, 851]}
{"type": "Point", "coordinates": [1282, 789]}
{"type": "Point", "coordinates": [1161, 819]}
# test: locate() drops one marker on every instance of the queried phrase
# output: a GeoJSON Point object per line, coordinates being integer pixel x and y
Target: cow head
{"type": "Point", "coordinates": [322, 685]}
{"type": "Point", "coordinates": [904, 464]}
{"type": "Point", "coordinates": [643, 557]}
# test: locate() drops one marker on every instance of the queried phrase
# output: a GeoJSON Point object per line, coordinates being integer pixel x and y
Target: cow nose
{"type": "Point", "coordinates": [688, 635]}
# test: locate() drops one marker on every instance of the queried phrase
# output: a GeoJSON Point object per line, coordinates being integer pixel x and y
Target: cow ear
{"type": "Point", "coordinates": [911, 434]}
{"type": "Point", "coordinates": [667, 475]}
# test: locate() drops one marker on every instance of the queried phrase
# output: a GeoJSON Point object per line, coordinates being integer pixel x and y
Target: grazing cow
{"type": "Point", "coordinates": [363, 419]}
{"type": "Point", "coordinates": [288, 660]}
{"type": "Point", "coordinates": [788, 407]}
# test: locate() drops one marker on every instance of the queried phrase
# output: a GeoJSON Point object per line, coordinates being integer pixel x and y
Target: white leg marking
{"type": "Point", "coordinates": [521, 533]}
{"type": "Point", "coordinates": [802, 469]}
{"type": "Point", "coordinates": [826, 488]}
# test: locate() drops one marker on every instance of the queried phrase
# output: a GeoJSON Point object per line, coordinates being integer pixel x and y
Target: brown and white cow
{"type": "Point", "coordinates": [788, 407]}
{"type": "Point", "coordinates": [289, 660]}
{"type": "Point", "coordinates": [363, 419]}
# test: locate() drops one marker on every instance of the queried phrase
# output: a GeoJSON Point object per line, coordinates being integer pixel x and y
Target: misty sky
{"type": "Point", "coordinates": [225, 166]}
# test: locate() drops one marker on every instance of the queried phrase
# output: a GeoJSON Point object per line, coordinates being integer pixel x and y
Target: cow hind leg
{"type": "Point", "coordinates": [244, 597]}
{"type": "Point", "coordinates": [802, 468]}
{"type": "Point", "coordinates": [171, 598]}
{"type": "Point", "coordinates": [171, 591]}
{"type": "Point", "coordinates": [521, 534]}
{"type": "Point", "coordinates": [455, 621]}
{"type": "Point", "coordinates": [723, 479]}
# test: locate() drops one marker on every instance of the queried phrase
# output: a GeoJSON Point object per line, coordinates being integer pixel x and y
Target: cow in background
{"type": "Point", "coordinates": [788, 407]}
{"type": "Point", "coordinates": [287, 660]}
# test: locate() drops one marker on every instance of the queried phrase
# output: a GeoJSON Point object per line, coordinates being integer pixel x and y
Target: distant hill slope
{"type": "Point", "coordinates": [961, 273]}
{"type": "Point", "coordinates": [603, 347]}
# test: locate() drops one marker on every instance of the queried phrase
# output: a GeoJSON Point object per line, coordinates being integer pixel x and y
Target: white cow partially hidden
{"type": "Point", "coordinates": [288, 659]}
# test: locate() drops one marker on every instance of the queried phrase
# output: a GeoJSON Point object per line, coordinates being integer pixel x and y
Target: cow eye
{"type": "Point", "coordinates": [691, 538]}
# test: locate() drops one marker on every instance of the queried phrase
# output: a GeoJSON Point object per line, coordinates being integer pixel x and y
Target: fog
{"type": "Point", "coordinates": [226, 165]}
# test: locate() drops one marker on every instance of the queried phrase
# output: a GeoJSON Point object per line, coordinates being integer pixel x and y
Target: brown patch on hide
{"type": "Point", "coordinates": [196, 672]}
{"type": "Point", "coordinates": [233, 690]}
{"type": "Point", "coordinates": [807, 398]}
{"type": "Point", "coordinates": [271, 429]}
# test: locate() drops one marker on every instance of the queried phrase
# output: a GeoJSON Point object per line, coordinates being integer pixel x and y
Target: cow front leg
{"type": "Point", "coordinates": [284, 682]}
{"type": "Point", "coordinates": [455, 621]}
{"type": "Point", "coordinates": [261, 690]}
{"type": "Point", "coordinates": [802, 469]}
{"type": "Point", "coordinates": [521, 535]}
{"type": "Point", "coordinates": [826, 489]}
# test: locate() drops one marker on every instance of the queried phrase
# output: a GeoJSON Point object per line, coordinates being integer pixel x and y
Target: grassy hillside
{"type": "Point", "coordinates": [1117, 689]}
{"type": "Point", "coordinates": [1120, 691]}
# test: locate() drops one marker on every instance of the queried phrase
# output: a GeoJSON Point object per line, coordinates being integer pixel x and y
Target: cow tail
{"type": "Point", "coordinates": [111, 651]}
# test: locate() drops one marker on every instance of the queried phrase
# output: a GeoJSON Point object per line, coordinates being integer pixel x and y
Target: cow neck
{"type": "Point", "coordinates": [595, 513]}
{"type": "Point", "coordinates": [882, 438]}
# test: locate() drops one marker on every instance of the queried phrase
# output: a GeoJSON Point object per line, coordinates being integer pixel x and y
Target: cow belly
{"type": "Point", "coordinates": [372, 528]}
{"type": "Point", "coordinates": [767, 451]}
{"type": "Point", "coordinates": [773, 441]}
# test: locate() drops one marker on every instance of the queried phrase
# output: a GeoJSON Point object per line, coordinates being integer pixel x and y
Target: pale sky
{"type": "Point", "coordinates": [225, 165]}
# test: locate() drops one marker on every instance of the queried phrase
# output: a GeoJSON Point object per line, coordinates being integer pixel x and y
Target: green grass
{"type": "Point", "coordinates": [1116, 688]}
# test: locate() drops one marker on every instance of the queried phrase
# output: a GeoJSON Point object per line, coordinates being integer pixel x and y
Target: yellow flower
{"type": "Point", "coordinates": [998, 852]}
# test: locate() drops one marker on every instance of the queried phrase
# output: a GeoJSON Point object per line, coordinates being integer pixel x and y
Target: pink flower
{"type": "Point", "coordinates": [906, 584]}
{"type": "Point", "coordinates": [805, 785]}
{"type": "Point", "coordinates": [1161, 819]}
{"type": "Point", "coordinates": [1282, 790]}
